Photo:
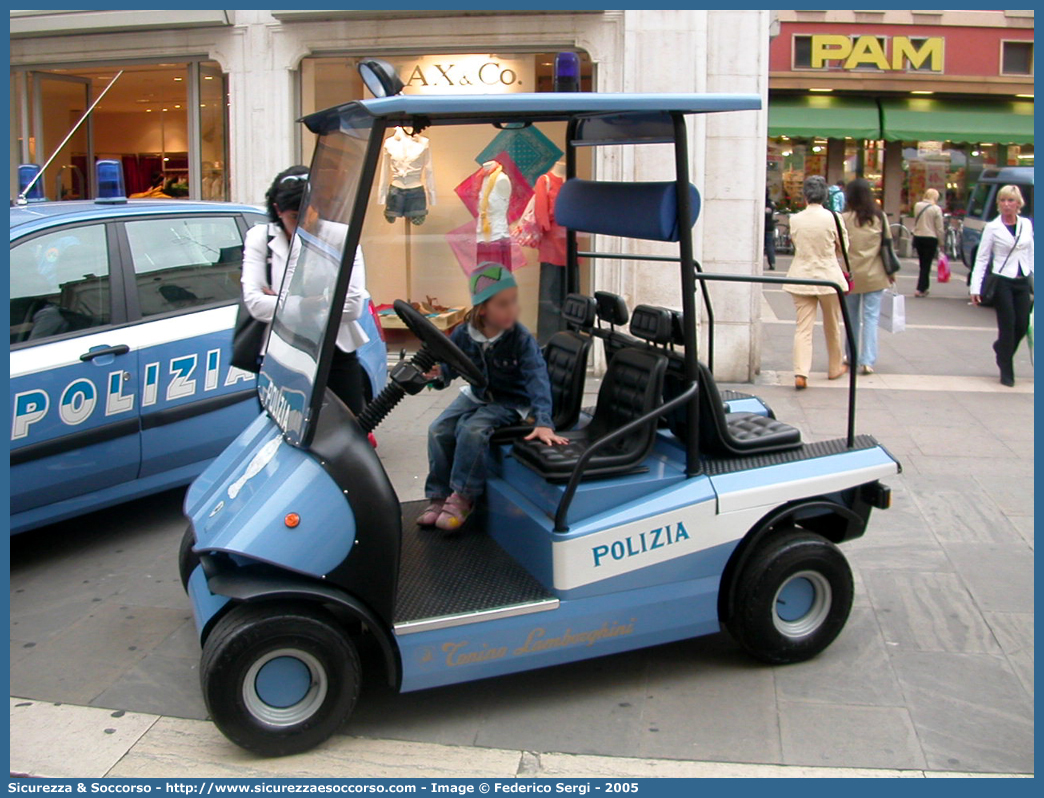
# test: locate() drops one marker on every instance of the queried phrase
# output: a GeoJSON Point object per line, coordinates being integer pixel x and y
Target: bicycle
{"type": "Point", "coordinates": [952, 241]}
{"type": "Point", "coordinates": [784, 244]}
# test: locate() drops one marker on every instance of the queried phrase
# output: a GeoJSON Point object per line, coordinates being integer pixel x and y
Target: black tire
{"type": "Point", "coordinates": [187, 558]}
{"type": "Point", "coordinates": [786, 572]}
{"type": "Point", "coordinates": [323, 663]}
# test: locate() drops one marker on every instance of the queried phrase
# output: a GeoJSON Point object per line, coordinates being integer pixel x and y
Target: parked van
{"type": "Point", "coordinates": [982, 204]}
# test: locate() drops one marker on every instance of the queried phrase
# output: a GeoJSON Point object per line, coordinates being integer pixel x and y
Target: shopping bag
{"type": "Point", "coordinates": [944, 269]}
{"type": "Point", "coordinates": [893, 311]}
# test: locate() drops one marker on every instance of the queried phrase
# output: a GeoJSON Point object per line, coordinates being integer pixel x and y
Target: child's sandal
{"type": "Point", "coordinates": [431, 513]}
{"type": "Point", "coordinates": [454, 513]}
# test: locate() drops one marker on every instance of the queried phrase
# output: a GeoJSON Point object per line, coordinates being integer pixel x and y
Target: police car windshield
{"type": "Point", "coordinates": [304, 319]}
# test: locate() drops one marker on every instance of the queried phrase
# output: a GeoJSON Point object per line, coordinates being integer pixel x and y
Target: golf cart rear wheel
{"type": "Point", "coordinates": [187, 558]}
{"type": "Point", "coordinates": [792, 598]}
{"type": "Point", "coordinates": [279, 679]}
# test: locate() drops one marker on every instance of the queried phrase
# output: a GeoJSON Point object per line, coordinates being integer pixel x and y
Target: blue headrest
{"type": "Point", "coordinates": [631, 210]}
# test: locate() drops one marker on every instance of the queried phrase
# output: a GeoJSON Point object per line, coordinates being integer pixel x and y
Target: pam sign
{"type": "Point", "coordinates": [889, 54]}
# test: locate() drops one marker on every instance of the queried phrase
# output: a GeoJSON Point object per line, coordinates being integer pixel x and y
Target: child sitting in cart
{"type": "Point", "coordinates": [517, 388]}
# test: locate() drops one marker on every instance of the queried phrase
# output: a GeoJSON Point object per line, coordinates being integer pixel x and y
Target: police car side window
{"type": "Point", "coordinates": [184, 263]}
{"type": "Point", "coordinates": [59, 283]}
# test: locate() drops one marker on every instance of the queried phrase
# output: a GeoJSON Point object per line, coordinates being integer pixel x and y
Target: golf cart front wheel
{"type": "Point", "coordinates": [279, 679]}
{"type": "Point", "coordinates": [792, 598]}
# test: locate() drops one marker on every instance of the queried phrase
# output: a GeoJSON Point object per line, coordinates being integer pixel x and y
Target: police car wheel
{"type": "Point", "coordinates": [187, 558]}
{"type": "Point", "coordinates": [792, 598]}
{"type": "Point", "coordinates": [279, 679]}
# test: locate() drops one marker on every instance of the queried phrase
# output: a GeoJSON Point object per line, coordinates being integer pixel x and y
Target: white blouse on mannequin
{"type": "Point", "coordinates": [492, 222]}
{"type": "Point", "coordinates": [406, 163]}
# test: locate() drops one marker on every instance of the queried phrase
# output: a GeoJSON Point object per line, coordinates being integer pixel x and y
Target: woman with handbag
{"type": "Point", "coordinates": [867, 249]}
{"type": "Point", "coordinates": [819, 238]}
{"type": "Point", "coordinates": [929, 234]}
{"type": "Point", "coordinates": [267, 249]}
{"type": "Point", "coordinates": [1003, 277]}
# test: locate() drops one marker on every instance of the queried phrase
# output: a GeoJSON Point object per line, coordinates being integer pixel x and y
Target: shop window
{"type": "Point", "coordinates": [59, 283]}
{"type": "Point", "coordinates": [802, 52]}
{"type": "Point", "coordinates": [926, 64]}
{"type": "Point", "coordinates": [185, 263]}
{"type": "Point", "coordinates": [426, 223]}
{"type": "Point", "coordinates": [142, 122]}
{"type": "Point", "coordinates": [1017, 58]}
{"type": "Point", "coordinates": [452, 198]}
{"type": "Point", "coordinates": [866, 67]}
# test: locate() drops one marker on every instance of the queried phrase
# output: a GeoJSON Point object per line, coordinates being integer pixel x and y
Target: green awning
{"type": "Point", "coordinates": [974, 121]}
{"type": "Point", "coordinates": [825, 116]}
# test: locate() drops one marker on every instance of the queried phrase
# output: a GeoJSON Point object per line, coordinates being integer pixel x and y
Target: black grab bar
{"type": "Point", "coordinates": [578, 469]}
{"type": "Point", "coordinates": [849, 336]}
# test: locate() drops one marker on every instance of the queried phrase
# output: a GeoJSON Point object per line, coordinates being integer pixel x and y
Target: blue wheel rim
{"type": "Point", "coordinates": [795, 599]}
{"type": "Point", "coordinates": [802, 604]}
{"type": "Point", "coordinates": [285, 687]}
{"type": "Point", "coordinates": [282, 682]}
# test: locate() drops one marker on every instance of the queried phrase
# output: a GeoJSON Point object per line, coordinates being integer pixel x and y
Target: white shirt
{"type": "Point", "coordinates": [496, 209]}
{"type": "Point", "coordinates": [350, 335]}
{"type": "Point", "coordinates": [406, 163]}
{"type": "Point", "coordinates": [1010, 252]}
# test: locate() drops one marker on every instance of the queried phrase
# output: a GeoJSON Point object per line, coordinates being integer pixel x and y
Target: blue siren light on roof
{"type": "Point", "coordinates": [110, 182]}
{"type": "Point", "coordinates": [26, 173]}
{"type": "Point", "coordinates": [567, 72]}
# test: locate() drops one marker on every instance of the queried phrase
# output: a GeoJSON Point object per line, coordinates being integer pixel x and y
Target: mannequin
{"type": "Point", "coordinates": [552, 251]}
{"type": "Point", "coordinates": [407, 179]}
{"type": "Point", "coordinates": [491, 227]}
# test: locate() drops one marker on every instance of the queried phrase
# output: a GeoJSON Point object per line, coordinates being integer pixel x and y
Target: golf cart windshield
{"type": "Point", "coordinates": [314, 278]}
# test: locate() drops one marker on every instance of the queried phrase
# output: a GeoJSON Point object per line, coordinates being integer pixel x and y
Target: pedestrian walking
{"type": "Point", "coordinates": [770, 231]}
{"type": "Point", "coordinates": [1003, 277]}
{"type": "Point", "coordinates": [818, 238]}
{"type": "Point", "coordinates": [837, 197]}
{"type": "Point", "coordinates": [266, 253]}
{"type": "Point", "coordinates": [929, 234]}
{"type": "Point", "coordinates": [865, 225]}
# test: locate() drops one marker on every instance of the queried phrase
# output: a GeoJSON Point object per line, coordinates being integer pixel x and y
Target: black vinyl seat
{"type": "Point", "coordinates": [612, 310]}
{"type": "Point", "coordinates": [632, 386]}
{"type": "Point", "coordinates": [566, 356]}
{"type": "Point", "coordinates": [738, 434]}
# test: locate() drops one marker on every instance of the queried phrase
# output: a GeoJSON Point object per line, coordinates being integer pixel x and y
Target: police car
{"type": "Point", "coordinates": [121, 331]}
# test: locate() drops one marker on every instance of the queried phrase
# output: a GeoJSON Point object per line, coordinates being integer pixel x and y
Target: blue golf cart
{"type": "Point", "coordinates": [674, 511]}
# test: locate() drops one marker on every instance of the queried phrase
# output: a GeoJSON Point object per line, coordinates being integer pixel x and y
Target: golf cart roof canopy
{"type": "Point", "coordinates": [543, 107]}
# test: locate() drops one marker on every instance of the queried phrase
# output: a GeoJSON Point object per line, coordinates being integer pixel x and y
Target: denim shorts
{"type": "Point", "coordinates": [408, 202]}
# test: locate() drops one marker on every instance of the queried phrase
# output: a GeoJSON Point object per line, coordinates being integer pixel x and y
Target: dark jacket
{"type": "Point", "coordinates": [514, 368]}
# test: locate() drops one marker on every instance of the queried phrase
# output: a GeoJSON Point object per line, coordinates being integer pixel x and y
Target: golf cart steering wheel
{"type": "Point", "coordinates": [438, 344]}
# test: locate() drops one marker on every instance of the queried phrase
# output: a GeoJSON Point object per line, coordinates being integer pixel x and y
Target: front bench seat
{"type": "Point", "coordinates": [738, 434]}
{"type": "Point", "coordinates": [633, 386]}
{"type": "Point", "coordinates": [566, 354]}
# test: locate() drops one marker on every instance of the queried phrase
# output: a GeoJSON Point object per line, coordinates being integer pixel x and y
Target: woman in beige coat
{"type": "Point", "coordinates": [929, 234]}
{"type": "Point", "coordinates": [814, 232]}
{"type": "Point", "coordinates": [864, 222]}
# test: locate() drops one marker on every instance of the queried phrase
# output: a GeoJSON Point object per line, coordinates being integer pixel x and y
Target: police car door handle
{"type": "Point", "coordinates": [122, 349]}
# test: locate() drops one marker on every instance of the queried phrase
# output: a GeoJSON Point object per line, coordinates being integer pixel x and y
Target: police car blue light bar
{"type": "Point", "coordinates": [110, 182]}
{"type": "Point", "coordinates": [26, 173]}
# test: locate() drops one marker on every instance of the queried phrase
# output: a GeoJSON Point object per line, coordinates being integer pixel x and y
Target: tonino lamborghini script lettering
{"type": "Point", "coordinates": [640, 543]}
{"type": "Point", "coordinates": [536, 641]}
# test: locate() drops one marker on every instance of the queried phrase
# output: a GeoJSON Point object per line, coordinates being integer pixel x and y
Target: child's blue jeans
{"type": "Point", "coordinates": [458, 447]}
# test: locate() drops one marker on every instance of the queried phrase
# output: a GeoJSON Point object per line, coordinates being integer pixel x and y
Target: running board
{"type": "Point", "coordinates": [447, 621]}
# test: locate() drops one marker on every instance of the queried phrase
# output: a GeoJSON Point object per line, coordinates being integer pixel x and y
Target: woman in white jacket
{"type": "Point", "coordinates": [1007, 242]}
{"type": "Point", "coordinates": [273, 241]}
